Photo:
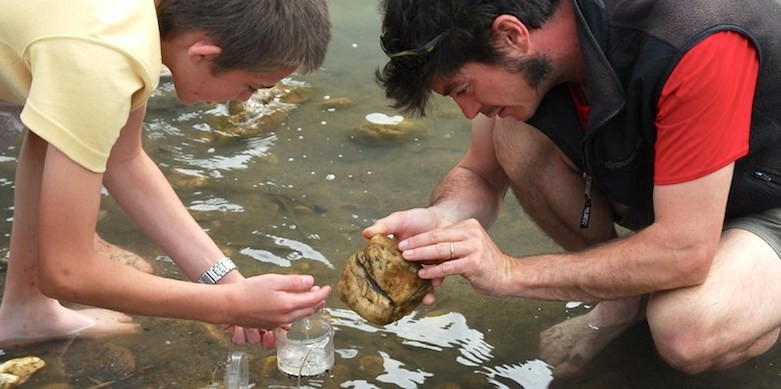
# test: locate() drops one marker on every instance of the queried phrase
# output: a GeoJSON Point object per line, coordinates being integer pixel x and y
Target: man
{"type": "Point", "coordinates": [83, 73]}
{"type": "Point", "coordinates": [659, 115]}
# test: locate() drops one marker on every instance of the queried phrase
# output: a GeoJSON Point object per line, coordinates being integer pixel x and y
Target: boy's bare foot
{"type": "Point", "coordinates": [64, 323]}
{"type": "Point", "coordinates": [41, 319]}
{"type": "Point", "coordinates": [121, 255]}
{"type": "Point", "coordinates": [571, 344]}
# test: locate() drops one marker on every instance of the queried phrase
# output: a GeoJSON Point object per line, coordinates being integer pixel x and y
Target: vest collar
{"type": "Point", "coordinates": [603, 89]}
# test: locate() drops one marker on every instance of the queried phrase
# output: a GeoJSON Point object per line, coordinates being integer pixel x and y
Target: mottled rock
{"type": "Point", "coordinates": [265, 110]}
{"type": "Point", "coordinates": [335, 103]}
{"type": "Point", "coordinates": [379, 284]}
{"type": "Point", "coordinates": [379, 129]}
{"type": "Point", "coordinates": [17, 371]}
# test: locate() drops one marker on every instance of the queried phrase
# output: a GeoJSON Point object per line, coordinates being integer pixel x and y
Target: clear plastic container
{"type": "Point", "coordinates": [306, 349]}
{"type": "Point", "coordinates": [237, 371]}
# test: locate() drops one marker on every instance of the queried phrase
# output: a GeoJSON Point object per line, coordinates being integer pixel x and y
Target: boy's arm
{"type": "Point", "coordinates": [144, 193]}
{"type": "Point", "coordinates": [70, 269]}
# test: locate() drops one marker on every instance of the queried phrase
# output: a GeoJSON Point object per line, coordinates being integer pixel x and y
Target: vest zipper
{"type": "Point", "coordinates": [585, 216]}
{"type": "Point", "coordinates": [763, 176]}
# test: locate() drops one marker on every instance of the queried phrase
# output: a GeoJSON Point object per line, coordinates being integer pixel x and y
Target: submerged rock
{"type": "Point", "coordinates": [17, 371]}
{"type": "Point", "coordinates": [334, 103]}
{"type": "Point", "coordinates": [190, 181]}
{"type": "Point", "coordinates": [265, 110]}
{"type": "Point", "coordinates": [379, 128]}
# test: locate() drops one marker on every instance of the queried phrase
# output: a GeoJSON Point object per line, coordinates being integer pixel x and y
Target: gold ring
{"type": "Point", "coordinates": [452, 251]}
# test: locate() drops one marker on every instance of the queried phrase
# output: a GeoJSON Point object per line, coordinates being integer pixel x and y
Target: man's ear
{"type": "Point", "coordinates": [203, 49]}
{"type": "Point", "coordinates": [511, 35]}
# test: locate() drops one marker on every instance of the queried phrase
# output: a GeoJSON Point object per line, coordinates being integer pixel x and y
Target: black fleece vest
{"type": "Point", "coordinates": [630, 48]}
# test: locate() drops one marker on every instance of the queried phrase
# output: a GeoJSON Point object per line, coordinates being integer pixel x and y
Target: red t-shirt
{"type": "Point", "coordinates": [704, 111]}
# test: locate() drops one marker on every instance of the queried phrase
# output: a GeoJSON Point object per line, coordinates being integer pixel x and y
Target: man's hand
{"type": "Point", "coordinates": [463, 249]}
{"type": "Point", "coordinates": [404, 224]}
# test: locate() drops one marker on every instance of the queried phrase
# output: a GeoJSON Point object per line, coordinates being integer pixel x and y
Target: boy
{"type": "Point", "coordinates": [83, 74]}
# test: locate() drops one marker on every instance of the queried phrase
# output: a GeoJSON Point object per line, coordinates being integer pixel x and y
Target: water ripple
{"type": "Point", "coordinates": [299, 250]}
{"type": "Point", "coordinates": [432, 332]}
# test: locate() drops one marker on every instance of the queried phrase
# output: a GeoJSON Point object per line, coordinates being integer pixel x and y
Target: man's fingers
{"type": "Point", "coordinates": [376, 228]}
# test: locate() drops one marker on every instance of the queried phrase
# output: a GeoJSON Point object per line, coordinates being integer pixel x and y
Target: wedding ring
{"type": "Point", "coordinates": [452, 251]}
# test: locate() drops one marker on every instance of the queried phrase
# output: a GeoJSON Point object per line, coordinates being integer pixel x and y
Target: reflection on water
{"type": "Point", "coordinates": [437, 333]}
{"type": "Point", "coordinates": [297, 251]}
{"type": "Point", "coordinates": [293, 197]}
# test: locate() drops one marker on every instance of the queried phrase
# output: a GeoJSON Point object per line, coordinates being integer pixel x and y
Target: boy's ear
{"type": "Point", "coordinates": [203, 49]}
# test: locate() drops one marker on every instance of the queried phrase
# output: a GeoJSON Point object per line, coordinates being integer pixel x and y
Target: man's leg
{"type": "Point", "coordinates": [549, 187]}
{"type": "Point", "coordinates": [733, 316]}
{"type": "Point", "coordinates": [569, 345]}
{"type": "Point", "coordinates": [551, 191]}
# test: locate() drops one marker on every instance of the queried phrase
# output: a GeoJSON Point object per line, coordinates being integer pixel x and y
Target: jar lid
{"type": "Point", "coordinates": [237, 371]}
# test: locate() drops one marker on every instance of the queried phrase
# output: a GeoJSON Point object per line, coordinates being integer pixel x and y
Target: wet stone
{"type": "Point", "coordinates": [268, 365]}
{"type": "Point", "coordinates": [372, 364]}
{"type": "Point", "coordinates": [381, 129]}
{"type": "Point", "coordinates": [379, 284]}
{"type": "Point", "coordinates": [265, 110]}
{"type": "Point", "coordinates": [17, 371]}
{"type": "Point", "coordinates": [185, 181]}
{"type": "Point", "coordinates": [335, 103]}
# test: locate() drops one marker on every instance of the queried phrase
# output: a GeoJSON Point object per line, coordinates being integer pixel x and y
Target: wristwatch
{"type": "Point", "coordinates": [217, 271]}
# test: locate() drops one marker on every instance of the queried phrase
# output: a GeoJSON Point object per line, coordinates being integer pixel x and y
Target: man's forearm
{"type": "Point", "coordinates": [626, 267]}
{"type": "Point", "coordinates": [462, 194]}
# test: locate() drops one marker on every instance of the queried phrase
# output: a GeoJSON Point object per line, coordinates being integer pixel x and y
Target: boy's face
{"type": "Point", "coordinates": [190, 55]}
{"type": "Point", "coordinates": [203, 86]}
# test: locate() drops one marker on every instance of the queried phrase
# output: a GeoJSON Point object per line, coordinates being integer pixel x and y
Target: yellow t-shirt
{"type": "Point", "coordinates": [79, 67]}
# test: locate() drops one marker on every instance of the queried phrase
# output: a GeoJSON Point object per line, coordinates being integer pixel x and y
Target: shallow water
{"type": "Point", "coordinates": [294, 199]}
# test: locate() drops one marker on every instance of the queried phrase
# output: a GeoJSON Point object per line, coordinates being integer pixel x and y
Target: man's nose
{"type": "Point", "coordinates": [469, 107]}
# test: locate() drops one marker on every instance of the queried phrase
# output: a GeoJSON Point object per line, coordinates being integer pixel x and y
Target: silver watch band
{"type": "Point", "coordinates": [217, 271]}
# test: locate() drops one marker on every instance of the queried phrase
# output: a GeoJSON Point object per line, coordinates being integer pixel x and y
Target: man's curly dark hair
{"type": "Point", "coordinates": [425, 39]}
